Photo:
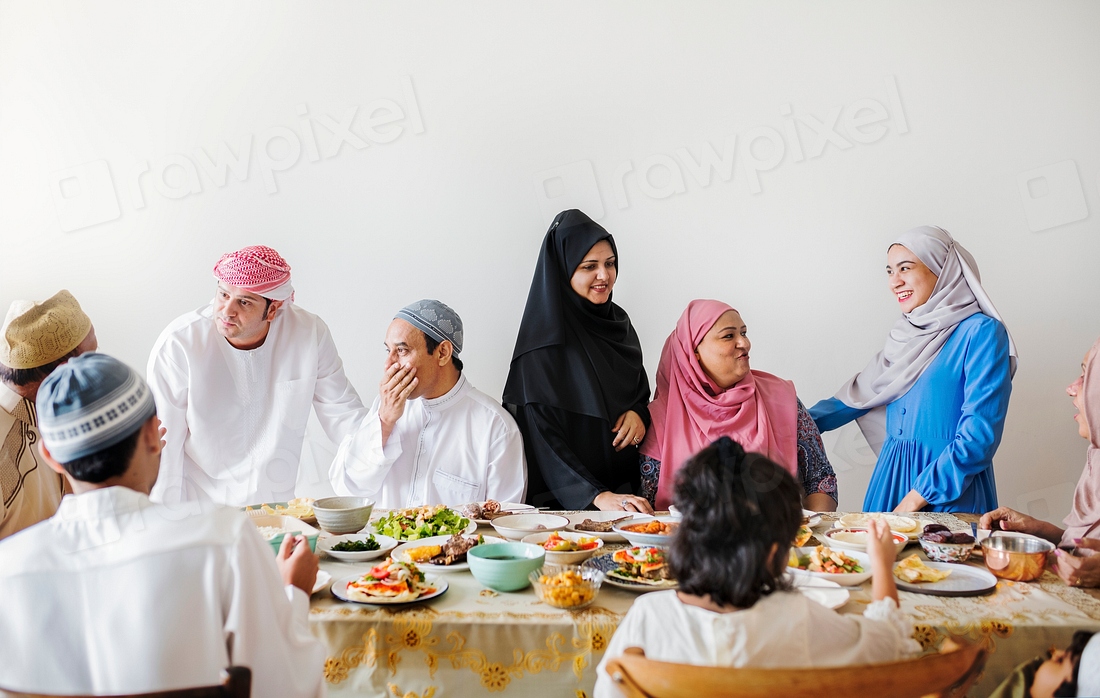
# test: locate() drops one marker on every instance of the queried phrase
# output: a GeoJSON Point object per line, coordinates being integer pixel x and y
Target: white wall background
{"type": "Point", "coordinates": [114, 116]}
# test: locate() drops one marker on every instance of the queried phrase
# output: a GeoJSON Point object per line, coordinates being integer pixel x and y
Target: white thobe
{"type": "Point", "coordinates": [116, 594]}
{"type": "Point", "coordinates": [784, 629]}
{"type": "Point", "coordinates": [458, 448]}
{"type": "Point", "coordinates": [236, 419]}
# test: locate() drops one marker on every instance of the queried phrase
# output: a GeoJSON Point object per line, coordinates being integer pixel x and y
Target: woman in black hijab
{"type": "Point", "coordinates": [576, 386]}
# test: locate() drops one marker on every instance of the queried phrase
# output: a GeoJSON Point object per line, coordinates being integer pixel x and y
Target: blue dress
{"type": "Point", "coordinates": [942, 434]}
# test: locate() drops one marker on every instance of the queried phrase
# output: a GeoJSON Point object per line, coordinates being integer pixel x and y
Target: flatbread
{"type": "Point", "coordinates": [912, 570]}
{"type": "Point", "coordinates": [901, 524]}
{"type": "Point", "coordinates": [380, 591]}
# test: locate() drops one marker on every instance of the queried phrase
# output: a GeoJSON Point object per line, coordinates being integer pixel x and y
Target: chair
{"type": "Point", "coordinates": [944, 675]}
{"type": "Point", "coordinates": [236, 683]}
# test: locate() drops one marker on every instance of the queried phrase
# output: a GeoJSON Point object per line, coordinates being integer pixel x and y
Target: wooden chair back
{"type": "Point", "coordinates": [945, 675]}
{"type": "Point", "coordinates": [236, 683]}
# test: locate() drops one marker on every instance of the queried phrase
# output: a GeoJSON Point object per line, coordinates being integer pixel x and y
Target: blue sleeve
{"type": "Point", "coordinates": [986, 389]}
{"type": "Point", "coordinates": [831, 413]}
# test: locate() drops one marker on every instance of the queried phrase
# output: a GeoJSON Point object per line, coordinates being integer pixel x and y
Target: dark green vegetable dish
{"type": "Point", "coordinates": [357, 546]}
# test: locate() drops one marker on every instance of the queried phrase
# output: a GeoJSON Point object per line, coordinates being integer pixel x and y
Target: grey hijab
{"type": "Point", "coordinates": [917, 337]}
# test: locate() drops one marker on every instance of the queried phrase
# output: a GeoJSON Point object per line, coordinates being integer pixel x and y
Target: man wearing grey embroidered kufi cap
{"type": "Point", "coordinates": [430, 436]}
{"type": "Point", "coordinates": [110, 553]}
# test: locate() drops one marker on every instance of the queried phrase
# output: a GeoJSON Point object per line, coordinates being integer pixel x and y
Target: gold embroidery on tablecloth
{"type": "Point", "coordinates": [412, 632]}
{"type": "Point", "coordinates": [926, 635]}
{"type": "Point", "coordinates": [336, 668]}
{"type": "Point", "coordinates": [428, 692]}
{"type": "Point", "coordinates": [1078, 598]}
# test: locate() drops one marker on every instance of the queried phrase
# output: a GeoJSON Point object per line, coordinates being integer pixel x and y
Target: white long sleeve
{"type": "Point", "coordinates": [237, 419]}
{"type": "Point", "coordinates": [118, 595]}
{"type": "Point", "coordinates": [460, 447]}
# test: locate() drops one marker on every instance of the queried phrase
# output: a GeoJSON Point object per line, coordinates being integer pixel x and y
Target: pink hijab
{"type": "Point", "coordinates": [1086, 498]}
{"type": "Point", "coordinates": [690, 410]}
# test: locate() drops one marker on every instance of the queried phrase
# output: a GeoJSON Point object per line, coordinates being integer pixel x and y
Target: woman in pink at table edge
{"type": "Point", "coordinates": [705, 389]}
{"type": "Point", "coordinates": [1075, 561]}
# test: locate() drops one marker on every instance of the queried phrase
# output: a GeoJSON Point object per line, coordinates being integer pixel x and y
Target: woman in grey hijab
{"type": "Point", "coordinates": [932, 403]}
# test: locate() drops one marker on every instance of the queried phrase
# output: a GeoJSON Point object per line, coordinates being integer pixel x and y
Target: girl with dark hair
{"type": "Point", "coordinates": [576, 386]}
{"type": "Point", "coordinates": [734, 606]}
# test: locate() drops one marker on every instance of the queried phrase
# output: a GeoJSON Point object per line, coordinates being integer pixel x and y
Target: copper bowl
{"type": "Point", "coordinates": [1021, 558]}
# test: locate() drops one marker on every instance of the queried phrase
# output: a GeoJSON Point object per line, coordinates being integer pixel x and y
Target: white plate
{"type": "Point", "coordinates": [813, 516]}
{"type": "Point", "coordinates": [513, 507]}
{"type": "Point", "coordinates": [646, 539]}
{"type": "Point", "coordinates": [859, 520]}
{"type": "Point", "coordinates": [340, 591]}
{"type": "Point", "coordinates": [470, 528]}
{"type": "Point", "coordinates": [828, 594]}
{"type": "Point", "coordinates": [831, 539]}
{"type": "Point", "coordinates": [846, 578]}
{"type": "Point", "coordinates": [401, 553]}
{"type": "Point", "coordinates": [518, 526]}
{"type": "Point", "coordinates": [575, 519]}
{"type": "Point", "coordinates": [965, 580]}
{"type": "Point", "coordinates": [606, 564]}
{"type": "Point", "coordinates": [386, 544]}
{"type": "Point", "coordinates": [323, 580]}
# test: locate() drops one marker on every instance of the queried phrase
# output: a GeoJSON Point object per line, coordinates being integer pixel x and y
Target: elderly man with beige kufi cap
{"type": "Point", "coordinates": [35, 339]}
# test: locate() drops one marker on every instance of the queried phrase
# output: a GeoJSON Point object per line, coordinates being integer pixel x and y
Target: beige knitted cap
{"type": "Point", "coordinates": [35, 334]}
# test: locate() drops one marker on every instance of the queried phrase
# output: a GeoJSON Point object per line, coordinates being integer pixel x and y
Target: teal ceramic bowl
{"type": "Point", "coordinates": [505, 566]}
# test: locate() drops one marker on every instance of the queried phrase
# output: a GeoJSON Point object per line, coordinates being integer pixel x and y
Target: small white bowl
{"type": "Point", "coordinates": [856, 539]}
{"type": "Point", "coordinates": [554, 557]}
{"type": "Point", "coordinates": [517, 526]}
{"type": "Point", "coordinates": [844, 579]}
{"type": "Point", "coordinates": [645, 539]}
{"type": "Point", "coordinates": [385, 545]}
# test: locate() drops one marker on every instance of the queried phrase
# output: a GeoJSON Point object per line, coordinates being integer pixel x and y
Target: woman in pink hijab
{"type": "Point", "coordinates": [1075, 561]}
{"type": "Point", "coordinates": [705, 390]}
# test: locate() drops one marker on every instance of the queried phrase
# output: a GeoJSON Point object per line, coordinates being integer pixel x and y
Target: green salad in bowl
{"type": "Point", "coordinates": [423, 522]}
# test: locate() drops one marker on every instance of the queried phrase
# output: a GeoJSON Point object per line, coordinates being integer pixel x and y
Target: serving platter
{"type": "Point", "coordinates": [606, 564]}
{"type": "Point", "coordinates": [340, 587]}
{"type": "Point", "coordinates": [965, 580]}
{"type": "Point", "coordinates": [401, 553]}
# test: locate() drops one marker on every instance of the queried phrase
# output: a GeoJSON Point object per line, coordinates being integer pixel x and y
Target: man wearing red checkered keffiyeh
{"type": "Point", "coordinates": [234, 382]}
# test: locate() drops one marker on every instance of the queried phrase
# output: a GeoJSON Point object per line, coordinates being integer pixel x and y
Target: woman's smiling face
{"type": "Point", "coordinates": [594, 277]}
{"type": "Point", "coordinates": [908, 278]}
{"type": "Point", "coordinates": [724, 350]}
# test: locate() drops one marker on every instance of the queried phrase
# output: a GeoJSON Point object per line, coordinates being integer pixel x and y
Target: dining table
{"type": "Point", "coordinates": [473, 641]}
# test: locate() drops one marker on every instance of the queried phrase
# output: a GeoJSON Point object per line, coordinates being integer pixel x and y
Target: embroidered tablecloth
{"type": "Point", "coordinates": [472, 641]}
